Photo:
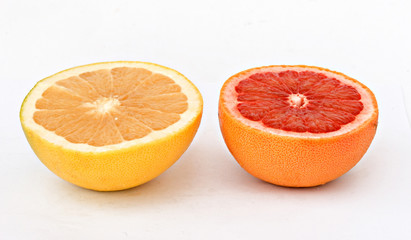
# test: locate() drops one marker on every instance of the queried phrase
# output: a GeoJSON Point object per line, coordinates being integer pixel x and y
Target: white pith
{"type": "Point", "coordinates": [104, 105]}
{"type": "Point", "coordinates": [194, 101]}
{"type": "Point", "coordinates": [297, 100]}
{"type": "Point", "coordinates": [230, 100]}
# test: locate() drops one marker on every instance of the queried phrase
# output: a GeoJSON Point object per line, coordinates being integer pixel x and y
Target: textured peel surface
{"type": "Point", "coordinates": [296, 126]}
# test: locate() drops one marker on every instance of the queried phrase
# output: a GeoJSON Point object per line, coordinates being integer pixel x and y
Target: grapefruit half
{"type": "Point", "coordinates": [111, 126]}
{"type": "Point", "coordinates": [297, 126]}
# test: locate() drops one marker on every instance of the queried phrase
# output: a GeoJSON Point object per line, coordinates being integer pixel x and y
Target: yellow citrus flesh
{"type": "Point", "coordinates": [111, 126]}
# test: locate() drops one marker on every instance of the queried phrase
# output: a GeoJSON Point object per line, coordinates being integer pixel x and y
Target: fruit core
{"type": "Point", "coordinates": [298, 101]}
{"type": "Point", "coordinates": [105, 105]}
{"type": "Point", "coordinates": [110, 106]}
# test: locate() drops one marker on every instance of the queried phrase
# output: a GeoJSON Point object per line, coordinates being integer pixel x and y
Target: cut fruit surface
{"type": "Point", "coordinates": [296, 125]}
{"type": "Point", "coordinates": [112, 108]}
{"type": "Point", "coordinates": [304, 101]}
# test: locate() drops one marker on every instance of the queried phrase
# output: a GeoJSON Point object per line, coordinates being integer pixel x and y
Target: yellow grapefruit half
{"type": "Point", "coordinates": [111, 126]}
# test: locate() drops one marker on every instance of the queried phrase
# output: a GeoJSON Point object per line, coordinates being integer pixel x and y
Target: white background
{"type": "Point", "coordinates": [206, 195]}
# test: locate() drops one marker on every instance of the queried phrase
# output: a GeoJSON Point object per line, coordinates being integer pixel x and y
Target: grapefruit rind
{"type": "Point", "coordinates": [116, 169]}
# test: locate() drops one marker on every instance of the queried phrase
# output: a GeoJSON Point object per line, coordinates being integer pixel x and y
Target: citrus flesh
{"type": "Point", "coordinates": [297, 126]}
{"type": "Point", "coordinates": [111, 126]}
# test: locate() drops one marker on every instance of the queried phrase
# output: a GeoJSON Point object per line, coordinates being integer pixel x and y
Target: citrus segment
{"type": "Point", "coordinates": [296, 126]}
{"type": "Point", "coordinates": [111, 126]}
{"type": "Point", "coordinates": [79, 87]}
